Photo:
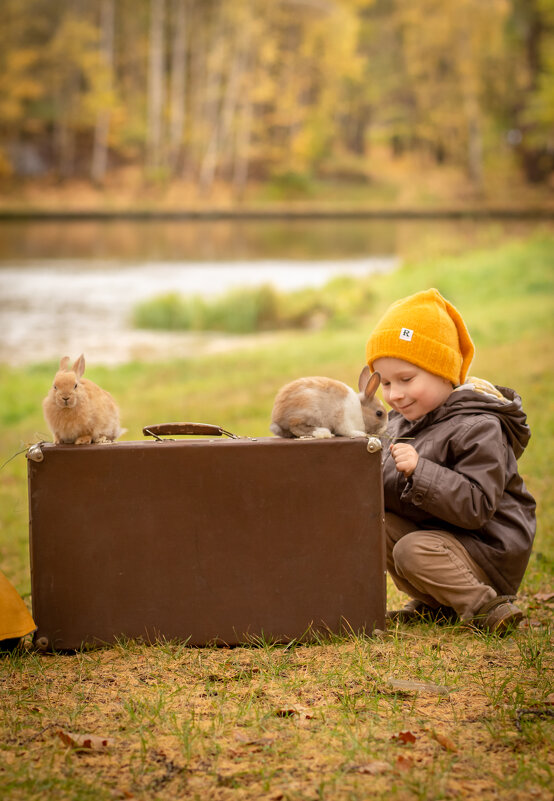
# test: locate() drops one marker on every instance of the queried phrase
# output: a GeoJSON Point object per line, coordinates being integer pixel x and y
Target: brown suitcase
{"type": "Point", "coordinates": [205, 540]}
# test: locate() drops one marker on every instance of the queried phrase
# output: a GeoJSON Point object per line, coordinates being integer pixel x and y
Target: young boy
{"type": "Point", "coordinates": [459, 522]}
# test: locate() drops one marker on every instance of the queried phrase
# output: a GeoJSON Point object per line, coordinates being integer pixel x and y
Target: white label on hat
{"type": "Point", "coordinates": [406, 333]}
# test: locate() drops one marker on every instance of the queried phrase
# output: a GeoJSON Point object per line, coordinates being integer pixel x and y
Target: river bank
{"type": "Point", "coordinates": [50, 308]}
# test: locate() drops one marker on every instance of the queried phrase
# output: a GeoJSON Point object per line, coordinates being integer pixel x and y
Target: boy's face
{"type": "Point", "coordinates": [410, 390]}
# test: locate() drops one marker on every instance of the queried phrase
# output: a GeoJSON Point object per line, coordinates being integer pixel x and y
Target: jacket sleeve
{"type": "Point", "coordinates": [465, 494]}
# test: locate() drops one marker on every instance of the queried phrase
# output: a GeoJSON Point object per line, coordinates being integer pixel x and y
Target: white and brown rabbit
{"type": "Point", "coordinates": [323, 407]}
{"type": "Point", "coordinates": [78, 410]}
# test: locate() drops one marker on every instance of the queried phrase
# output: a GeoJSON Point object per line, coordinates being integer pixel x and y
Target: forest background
{"type": "Point", "coordinates": [180, 103]}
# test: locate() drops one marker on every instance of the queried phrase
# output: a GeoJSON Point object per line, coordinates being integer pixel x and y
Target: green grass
{"type": "Point", "coordinates": [263, 308]}
{"type": "Point", "coordinates": [213, 723]}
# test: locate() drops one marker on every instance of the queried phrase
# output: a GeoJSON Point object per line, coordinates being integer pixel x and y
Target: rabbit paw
{"type": "Point", "coordinates": [322, 433]}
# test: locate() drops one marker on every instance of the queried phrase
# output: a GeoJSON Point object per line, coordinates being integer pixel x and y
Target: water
{"type": "Point", "coordinates": [68, 287]}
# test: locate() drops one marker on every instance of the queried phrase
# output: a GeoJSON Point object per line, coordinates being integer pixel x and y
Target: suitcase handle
{"type": "Point", "coordinates": [172, 429]}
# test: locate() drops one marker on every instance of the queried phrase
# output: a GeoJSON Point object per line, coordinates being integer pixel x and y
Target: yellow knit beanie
{"type": "Point", "coordinates": [426, 330]}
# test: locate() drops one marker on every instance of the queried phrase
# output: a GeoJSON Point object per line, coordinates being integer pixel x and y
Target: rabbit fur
{"type": "Point", "coordinates": [322, 407]}
{"type": "Point", "coordinates": [77, 410]}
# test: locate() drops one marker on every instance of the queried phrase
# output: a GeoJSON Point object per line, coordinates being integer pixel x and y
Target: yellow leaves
{"type": "Point", "coordinates": [5, 165]}
{"type": "Point", "coordinates": [17, 84]}
{"type": "Point", "coordinates": [72, 38]}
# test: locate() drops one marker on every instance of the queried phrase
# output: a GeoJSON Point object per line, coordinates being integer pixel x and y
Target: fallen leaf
{"type": "Point", "coordinates": [372, 768]}
{"type": "Point", "coordinates": [544, 597]}
{"type": "Point", "coordinates": [294, 710]}
{"type": "Point", "coordinates": [406, 685]}
{"type": "Point", "coordinates": [443, 740]}
{"type": "Point", "coordinates": [404, 762]}
{"type": "Point", "coordinates": [404, 737]}
{"type": "Point", "coordinates": [89, 742]}
{"type": "Point", "coordinates": [246, 739]}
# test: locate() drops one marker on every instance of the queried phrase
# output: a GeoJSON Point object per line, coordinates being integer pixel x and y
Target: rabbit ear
{"type": "Point", "coordinates": [372, 385]}
{"type": "Point", "coordinates": [79, 366]}
{"type": "Point", "coordinates": [365, 375]}
{"type": "Point", "coordinates": [64, 362]}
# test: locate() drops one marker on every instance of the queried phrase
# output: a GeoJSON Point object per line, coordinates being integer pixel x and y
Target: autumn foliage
{"type": "Point", "coordinates": [278, 92]}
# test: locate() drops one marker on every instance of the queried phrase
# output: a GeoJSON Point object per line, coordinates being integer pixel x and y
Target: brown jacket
{"type": "Point", "coordinates": [466, 480]}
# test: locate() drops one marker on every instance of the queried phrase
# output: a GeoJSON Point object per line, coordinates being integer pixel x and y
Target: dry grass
{"type": "Point", "coordinates": [297, 722]}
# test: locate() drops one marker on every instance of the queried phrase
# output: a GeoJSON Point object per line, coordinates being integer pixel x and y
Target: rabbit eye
{"type": "Point", "coordinates": [75, 387]}
{"type": "Point", "coordinates": [379, 413]}
{"type": "Point", "coordinates": [55, 387]}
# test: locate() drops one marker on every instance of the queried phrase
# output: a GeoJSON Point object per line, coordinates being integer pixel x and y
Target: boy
{"type": "Point", "coordinates": [460, 522]}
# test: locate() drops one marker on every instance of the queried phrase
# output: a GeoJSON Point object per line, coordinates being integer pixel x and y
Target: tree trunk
{"type": "Point", "coordinates": [213, 110]}
{"type": "Point", "coordinates": [102, 128]}
{"type": "Point", "coordinates": [178, 84]}
{"type": "Point", "coordinates": [475, 152]}
{"type": "Point", "coordinates": [242, 148]}
{"type": "Point", "coordinates": [231, 99]}
{"type": "Point", "coordinates": [156, 83]}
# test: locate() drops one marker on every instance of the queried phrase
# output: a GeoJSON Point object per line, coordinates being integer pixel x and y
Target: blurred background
{"type": "Point", "coordinates": [162, 151]}
{"type": "Point", "coordinates": [372, 102]}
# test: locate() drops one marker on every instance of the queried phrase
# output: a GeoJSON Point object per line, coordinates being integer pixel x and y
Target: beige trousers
{"type": "Point", "coordinates": [433, 567]}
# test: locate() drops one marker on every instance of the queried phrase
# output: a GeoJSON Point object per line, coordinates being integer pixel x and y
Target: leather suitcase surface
{"type": "Point", "coordinates": [206, 540]}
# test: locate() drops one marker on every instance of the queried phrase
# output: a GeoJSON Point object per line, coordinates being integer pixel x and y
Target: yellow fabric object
{"type": "Point", "coordinates": [484, 387]}
{"type": "Point", "coordinates": [15, 620]}
{"type": "Point", "coordinates": [426, 330]}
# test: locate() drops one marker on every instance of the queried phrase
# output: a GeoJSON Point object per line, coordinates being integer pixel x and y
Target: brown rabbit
{"type": "Point", "coordinates": [323, 407]}
{"type": "Point", "coordinates": [78, 410]}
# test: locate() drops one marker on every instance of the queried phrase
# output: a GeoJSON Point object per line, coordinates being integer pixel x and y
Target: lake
{"type": "Point", "coordinates": [68, 286]}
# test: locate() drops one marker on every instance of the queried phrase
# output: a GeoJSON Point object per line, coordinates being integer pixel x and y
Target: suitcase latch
{"type": "Point", "coordinates": [374, 444]}
{"type": "Point", "coordinates": [34, 453]}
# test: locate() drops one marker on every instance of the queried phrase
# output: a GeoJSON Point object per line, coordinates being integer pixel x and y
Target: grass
{"type": "Point", "coordinates": [320, 721]}
{"type": "Point", "coordinates": [262, 308]}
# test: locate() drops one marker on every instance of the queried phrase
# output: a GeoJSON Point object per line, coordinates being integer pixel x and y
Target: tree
{"type": "Point", "coordinates": [156, 83]}
{"type": "Point", "coordinates": [100, 147]}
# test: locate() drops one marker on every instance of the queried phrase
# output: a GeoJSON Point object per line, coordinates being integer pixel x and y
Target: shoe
{"type": "Point", "coordinates": [499, 616]}
{"type": "Point", "coordinates": [419, 612]}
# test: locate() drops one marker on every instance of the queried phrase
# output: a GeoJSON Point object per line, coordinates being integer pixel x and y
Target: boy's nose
{"type": "Point", "coordinates": [396, 393]}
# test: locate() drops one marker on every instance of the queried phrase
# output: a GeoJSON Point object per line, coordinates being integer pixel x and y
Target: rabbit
{"type": "Point", "coordinates": [323, 407]}
{"type": "Point", "coordinates": [78, 410]}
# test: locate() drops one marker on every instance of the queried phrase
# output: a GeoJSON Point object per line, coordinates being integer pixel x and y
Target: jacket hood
{"type": "Point", "coordinates": [466, 400]}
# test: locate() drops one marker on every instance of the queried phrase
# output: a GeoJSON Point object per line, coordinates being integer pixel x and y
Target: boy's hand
{"type": "Point", "coordinates": [405, 458]}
